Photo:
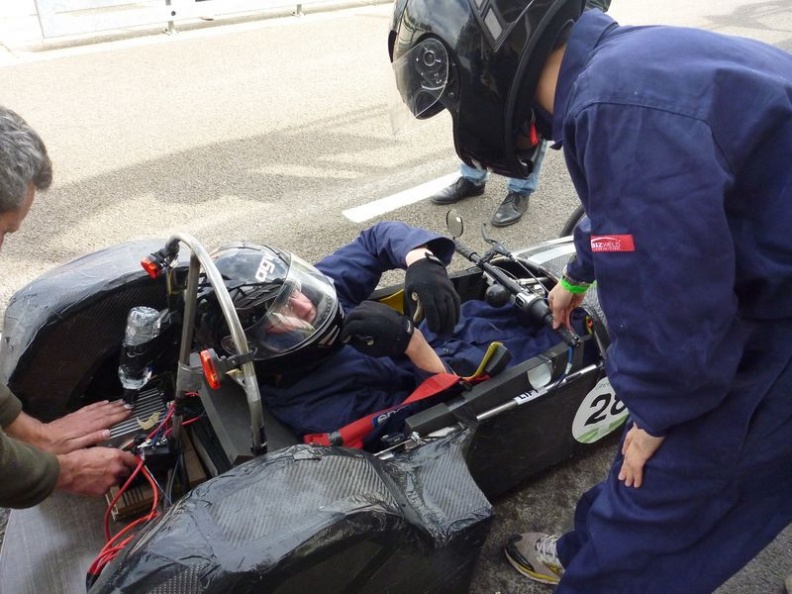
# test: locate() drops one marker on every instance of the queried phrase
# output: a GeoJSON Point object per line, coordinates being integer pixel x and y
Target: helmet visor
{"type": "Point", "coordinates": [421, 80]}
{"type": "Point", "coordinates": [304, 305]}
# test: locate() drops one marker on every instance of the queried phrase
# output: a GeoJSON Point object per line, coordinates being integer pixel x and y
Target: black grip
{"type": "Point", "coordinates": [535, 307]}
{"type": "Point", "coordinates": [567, 335]}
{"type": "Point", "coordinates": [466, 252]}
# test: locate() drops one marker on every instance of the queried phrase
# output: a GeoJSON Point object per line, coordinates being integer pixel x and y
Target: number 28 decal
{"type": "Point", "coordinates": [600, 413]}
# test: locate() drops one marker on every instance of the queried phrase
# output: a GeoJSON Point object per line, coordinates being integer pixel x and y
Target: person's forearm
{"type": "Point", "coordinates": [417, 254]}
{"type": "Point", "coordinates": [423, 355]}
{"type": "Point", "coordinates": [29, 475]}
{"type": "Point", "coordinates": [10, 406]}
{"type": "Point", "coordinates": [26, 428]}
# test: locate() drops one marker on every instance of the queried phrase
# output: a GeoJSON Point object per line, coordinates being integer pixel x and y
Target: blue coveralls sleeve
{"type": "Point", "coordinates": [656, 183]}
{"type": "Point", "coordinates": [580, 266]}
{"type": "Point", "coordinates": [356, 268]}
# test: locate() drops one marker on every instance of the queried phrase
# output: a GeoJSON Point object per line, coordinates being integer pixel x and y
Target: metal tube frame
{"type": "Point", "coordinates": [199, 258]}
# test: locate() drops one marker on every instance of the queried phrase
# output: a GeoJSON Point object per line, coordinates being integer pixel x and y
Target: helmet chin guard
{"type": "Point", "coordinates": [496, 51]}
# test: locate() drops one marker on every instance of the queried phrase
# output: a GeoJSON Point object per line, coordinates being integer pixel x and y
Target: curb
{"type": "Point", "coordinates": [21, 34]}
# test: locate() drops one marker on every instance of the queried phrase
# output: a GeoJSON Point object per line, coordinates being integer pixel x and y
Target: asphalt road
{"type": "Point", "coordinates": [268, 130]}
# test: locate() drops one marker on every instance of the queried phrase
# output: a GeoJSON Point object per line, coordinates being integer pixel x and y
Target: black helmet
{"type": "Point", "coordinates": [288, 309]}
{"type": "Point", "coordinates": [481, 60]}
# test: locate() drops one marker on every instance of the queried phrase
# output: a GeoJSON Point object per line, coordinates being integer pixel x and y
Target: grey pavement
{"type": "Point", "coordinates": [268, 129]}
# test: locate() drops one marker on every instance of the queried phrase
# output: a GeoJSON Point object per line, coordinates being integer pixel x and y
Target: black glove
{"type": "Point", "coordinates": [428, 292]}
{"type": "Point", "coordinates": [376, 330]}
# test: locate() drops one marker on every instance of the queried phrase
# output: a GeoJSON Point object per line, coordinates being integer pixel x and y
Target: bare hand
{"type": "Point", "coordinates": [638, 447]}
{"type": "Point", "coordinates": [85, 427]}
{"type": "Point", "coordinates": [562, 303]}
{"type": "Point", "coordinates": [93, 471]}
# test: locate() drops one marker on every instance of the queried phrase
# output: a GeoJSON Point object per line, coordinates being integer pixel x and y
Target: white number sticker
{"type": "Point", "coordinates": [266, 266]}
{"type": "Point", "coordinates": [600, 413]}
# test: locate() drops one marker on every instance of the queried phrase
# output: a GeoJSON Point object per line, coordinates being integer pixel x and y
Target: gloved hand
{"type": "Point", "coordinates": [376, 330]}
{"type": "Point", "coordinates": [430, 293]}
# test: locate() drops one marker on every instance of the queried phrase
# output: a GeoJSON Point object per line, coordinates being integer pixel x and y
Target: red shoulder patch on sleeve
{"type": "Point", "coordinates": [612, 243]}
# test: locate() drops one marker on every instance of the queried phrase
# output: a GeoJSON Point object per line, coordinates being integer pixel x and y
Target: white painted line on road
{"type": "Point", "coordinates": [365, 212]}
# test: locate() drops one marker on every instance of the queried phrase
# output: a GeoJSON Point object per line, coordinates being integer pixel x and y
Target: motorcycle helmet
{"type": "Point", "coordinates": [481, 60]}
{"type": "Point", "coordinates": [288, 309]}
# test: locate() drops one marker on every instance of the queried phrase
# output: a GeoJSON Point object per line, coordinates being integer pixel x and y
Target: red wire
{"type": "Point", "coordinates": [118, 495]}
{"type": "Point", "coordinates": [169, 430]}
{"type": "Point", "coordinates": [162, 424]}
{"type": "Point", "coordinates": [112, 547]}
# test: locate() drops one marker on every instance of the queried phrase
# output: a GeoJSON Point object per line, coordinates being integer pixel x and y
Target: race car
{"type": "Point", "coordinates": [228, 498]}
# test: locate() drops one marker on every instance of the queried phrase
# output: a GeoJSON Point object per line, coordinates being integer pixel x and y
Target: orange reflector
{"type": "Point", "coordinates": [152, 268]}
{"type": "Point", "coordinates": [209, 369]}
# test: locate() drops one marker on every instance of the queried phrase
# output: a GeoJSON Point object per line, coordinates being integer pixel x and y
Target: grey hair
{"type": "Point", "coordinates": [23, 161]}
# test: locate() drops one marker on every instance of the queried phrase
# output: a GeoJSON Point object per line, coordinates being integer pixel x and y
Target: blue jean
{"type": "Point", "coordinates": [518, 186]}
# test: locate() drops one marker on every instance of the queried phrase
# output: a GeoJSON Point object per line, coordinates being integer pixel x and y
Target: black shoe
{"type": "Point", "coordinates": [461, 188]}
{"type": "Point", "coordinates": [511, 210]}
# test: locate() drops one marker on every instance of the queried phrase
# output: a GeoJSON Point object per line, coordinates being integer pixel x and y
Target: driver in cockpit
{"type": "Point", "coordinates": [327, 355]}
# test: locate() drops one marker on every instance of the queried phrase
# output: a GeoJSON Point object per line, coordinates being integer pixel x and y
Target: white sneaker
{"type": "Point", "coordinates": [534, 555]}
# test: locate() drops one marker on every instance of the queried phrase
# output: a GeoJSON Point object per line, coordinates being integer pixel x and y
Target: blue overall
{"type": "Point", "coordinates": [349, 384]}
{"type": "Point", "coordinates": [679, 144]}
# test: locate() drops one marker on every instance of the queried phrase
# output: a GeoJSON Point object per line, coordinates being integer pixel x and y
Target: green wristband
{"type": "Point", "coordinates": [574, 289]}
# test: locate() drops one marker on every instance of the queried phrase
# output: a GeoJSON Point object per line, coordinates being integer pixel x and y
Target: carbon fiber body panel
{"type": "Point", "coordinates": [59, 329]}
{"type": "Point", "coordinates": [310, 518]}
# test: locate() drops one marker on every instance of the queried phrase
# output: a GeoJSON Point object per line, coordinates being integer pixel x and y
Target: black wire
{"type": "Point", "coordinates": [180, 471]}
{"type": "Point", "coordinates": [172, 478]}
{"type": "Point", "coordinates": [181, 468]}
{"type": "Point", "coordinates": [90, 580]}
{"type": "Point", "coordinates": [529, 271]}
